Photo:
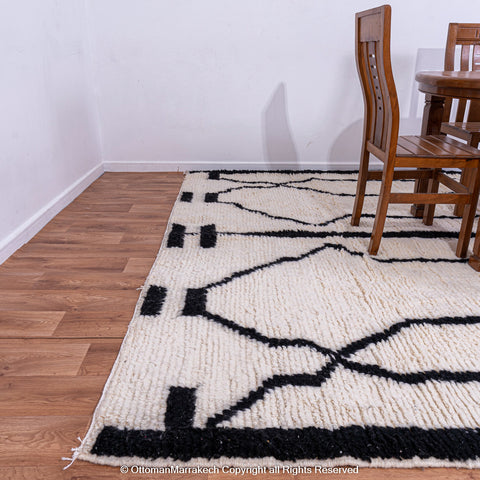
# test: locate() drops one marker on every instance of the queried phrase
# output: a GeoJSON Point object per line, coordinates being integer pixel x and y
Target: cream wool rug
{"type": "Point", "coordinates": [265, 335]}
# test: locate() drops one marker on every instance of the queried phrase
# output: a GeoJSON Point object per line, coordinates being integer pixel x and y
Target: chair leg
{"type": "Point", "coordinates": [469, 214]}
{"type": "Point", "coordinates": [433, 184]}
{"type": "Point", "coordinates": [382, 208]}
{"type": "Point", "coordinates": [361, 185]}
{"type": "Point", "coordinates": [465, 179]}
{"type": "Point", "coordinates": [466, 176]}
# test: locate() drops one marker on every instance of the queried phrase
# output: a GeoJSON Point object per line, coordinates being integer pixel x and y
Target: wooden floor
{"type": "Point", "coordinates": [66, 298]}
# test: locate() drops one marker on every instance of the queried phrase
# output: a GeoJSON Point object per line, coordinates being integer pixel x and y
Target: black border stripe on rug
{"type": "Point", "coordinates": [311, 443]}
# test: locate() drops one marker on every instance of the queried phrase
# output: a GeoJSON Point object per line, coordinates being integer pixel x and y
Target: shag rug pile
{"type": "Point", "coordinates": [266, 335]}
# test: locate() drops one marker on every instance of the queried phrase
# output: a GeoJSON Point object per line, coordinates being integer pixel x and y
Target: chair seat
{"type": "Point", "coordinates": [462, 130]}
{"type": "Point", "coordinates": [434, 146]}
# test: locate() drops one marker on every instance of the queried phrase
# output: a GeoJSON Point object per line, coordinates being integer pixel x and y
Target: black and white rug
{"type": "Point", "coordinates": [266, 335]}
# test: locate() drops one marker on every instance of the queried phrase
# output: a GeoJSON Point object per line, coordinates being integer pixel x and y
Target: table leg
{"type": "Point", "coordinates": [474, 260]}
{"type": "Point", "coordinates": [431, 123]}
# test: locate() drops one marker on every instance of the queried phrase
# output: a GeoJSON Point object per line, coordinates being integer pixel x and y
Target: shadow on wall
{"type": "Point", "coordinates": [347, 144]}
{"type": "Point", "coordinates": [345, 150]}
{"type": "Point", "coordinates": [278, 145]}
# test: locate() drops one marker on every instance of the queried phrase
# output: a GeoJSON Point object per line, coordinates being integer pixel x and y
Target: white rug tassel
{"type": "Point", "coordinates": [76, 452]}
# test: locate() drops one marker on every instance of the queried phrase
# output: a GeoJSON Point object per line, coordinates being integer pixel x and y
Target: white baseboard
{"type": "Point", "coordinates": [34, 224]}
{"type": "Point", "coordinates": [189, 166]}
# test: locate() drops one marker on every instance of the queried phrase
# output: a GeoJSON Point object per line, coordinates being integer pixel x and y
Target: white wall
{"type": "Point", "coordinates": [248, 83]}
{"type": "Point", "coordinates": [49, 141]}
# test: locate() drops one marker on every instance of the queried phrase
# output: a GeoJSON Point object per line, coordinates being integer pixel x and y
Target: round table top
{"type": "Point", "coordinates": [450, 84]}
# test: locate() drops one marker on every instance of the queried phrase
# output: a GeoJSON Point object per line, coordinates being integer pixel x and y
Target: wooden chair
{"type": "Point", "coordinates": [380, 137]}
{"type": "Point", "coordinates": [467, 117]}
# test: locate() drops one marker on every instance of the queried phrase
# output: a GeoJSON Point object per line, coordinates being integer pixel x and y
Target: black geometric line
{"type": "Point", "coordinates": [272, 342]}
{"type": "Point", "coordinates": [309, 179]}
{"type": "Point", "coordinates": [334, 246]}
{"type": "Point", "coordinates": [214, 174]}
{"type": "Point", "coordinates": [397, 327]}
{"type": "Point", "coordinates": [321, 224]}
{"type": "Point", "coordinates": [412, 378]}
{"type": "Point", "coordinates": [434, 234]}
{"type": "Point", "coordinates": [301, 222]}
{"type": "Point", "coordinates": [279, 261]}
{"type": "Point", "coordinates": [276, 381]}
{"type": "Point", "coordinates": [176, 237]}
{"type": "Point", "coordinates": [251, 182]}
{"type": "Point", "coordinates": [265, 214]}
{"type": "Point", "coordinates": [325, 192]}
{"type": "Point", "coordinates": [248, 187]}
{"type": "Point", "coordinates": [195, 305]}
{"type": "Point", "coordinates": [420, 260]}
{"type": "Point", "coordinates": [153, 302]}
{"type": "Point", "coordinates": [340, 358]}
{"type": "Point", "coordinates": [287, 185]}
{"type": "Point", "coordinates": [310, 443]}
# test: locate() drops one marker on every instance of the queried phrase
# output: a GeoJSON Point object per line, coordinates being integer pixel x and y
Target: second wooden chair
{"type": "Point", "coordinates": [466, 124]}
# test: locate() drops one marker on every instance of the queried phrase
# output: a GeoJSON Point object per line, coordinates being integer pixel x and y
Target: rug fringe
{"type": "Point", "coordinates": [76, 452]}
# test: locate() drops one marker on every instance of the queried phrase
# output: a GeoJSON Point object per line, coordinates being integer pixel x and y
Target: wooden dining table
{"type": "Point", "coordinates": [438, 86]}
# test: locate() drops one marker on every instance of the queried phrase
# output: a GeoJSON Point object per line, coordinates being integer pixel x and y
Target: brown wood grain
{"type": "Point", "coordinates": [107, 324]}
{"type": "Point", "coordinates": [39, 440]}
{"type": "Point", "coordinates": [39, 395]}
{"type": "Point", "coordinates": [18, 323]}
{"type": "Point", "coordinates": [45, 358]}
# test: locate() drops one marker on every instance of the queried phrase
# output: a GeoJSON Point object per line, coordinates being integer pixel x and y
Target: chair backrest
{"type": "Point", "coordinates": [468, 36]}
{"type": "Point", "coordinates": [372, 38]}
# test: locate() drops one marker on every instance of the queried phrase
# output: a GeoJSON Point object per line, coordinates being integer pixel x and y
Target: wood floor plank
{"type": "Point", "coordinates": [47, 250]}
{"type": "Point", "coordinates": [101, 228]}
{"type": "Point", "coordinates": [100, 358]}
{"type": "Point", "coordinates": [41, 358]}
{"type": "Point", "coordinates": [53, 280]}
{"type": "Point", "coordinates": [112, 207]}
{"type": "Point", "coordinates": [87, 281]}
{"type": "Point", "coordinates": [39, 395]}
{"type": "Point", "coordinates": [82, 236]}
{"type": "Point", "coordinates": [39, 440]}
{"type": "Point", "coordinates": [13, 280]}
{"type": "Point", "coordinates": [139, 266]}
{"type": "Point", "coordinates": [94, 324]}
{"type": "Point", "coordinates": [85, 300]}
{"type": "Point", "coordinates": [140, 238]}
{"type": "Point", "coordinates": [72, 263]}
{"type": "Point", "coordinates": [18, 323]}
